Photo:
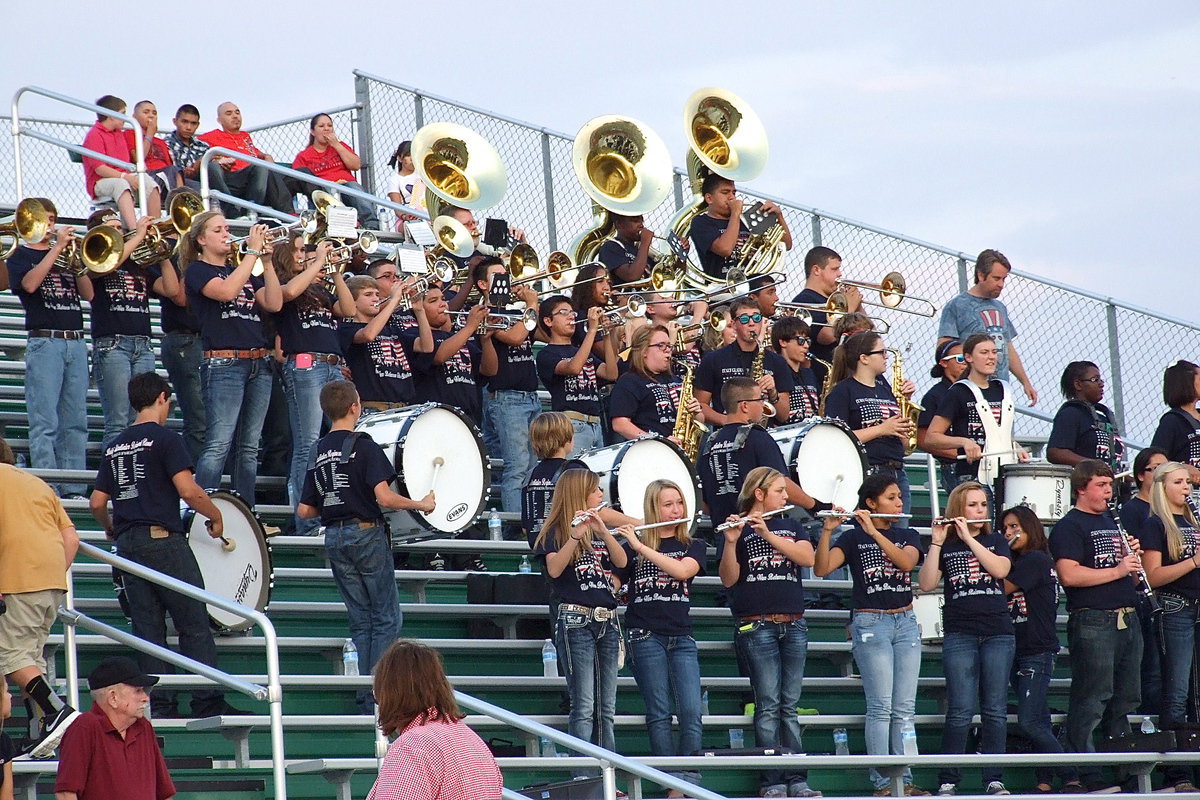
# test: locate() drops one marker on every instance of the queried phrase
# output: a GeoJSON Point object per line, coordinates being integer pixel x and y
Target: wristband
{"type": "Point", "coordinates": [935, 544]}
{"type": "Point", "coordinates": [577, 538]}
{"type": "Point", "coordinates": [249, 252]}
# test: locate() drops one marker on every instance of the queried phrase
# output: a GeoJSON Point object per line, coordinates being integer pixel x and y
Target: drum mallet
{"type": "Point", "coordinates": [438, 461]}
{"type": "Point", "coordinates": [228, 545]}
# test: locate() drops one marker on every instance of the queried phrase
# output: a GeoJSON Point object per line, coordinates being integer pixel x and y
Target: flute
{"type": "Point", "coordinates": [649, 526]}
{"type": "Point", "coordinates": [740, 521]}
{"type": "Point", "coordinates": [580, 516]}
{"type": "Point", "coordinates": [851, 514]}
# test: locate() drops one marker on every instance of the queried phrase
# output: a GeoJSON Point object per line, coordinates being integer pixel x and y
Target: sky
{"type": "Point", "coordinates": [1062, 133]}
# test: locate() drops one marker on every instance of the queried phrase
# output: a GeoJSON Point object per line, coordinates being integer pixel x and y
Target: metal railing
{"type": "Point", "coordinates": [272, 692]}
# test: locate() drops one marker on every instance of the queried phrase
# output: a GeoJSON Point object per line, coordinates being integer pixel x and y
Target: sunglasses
{"type": "Point", "coordinates": [746, 319]}
{"type": "Point", "coordinates": [958, 359]}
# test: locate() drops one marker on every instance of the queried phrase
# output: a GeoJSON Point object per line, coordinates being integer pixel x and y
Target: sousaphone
{"type": "Point", "coordinates": [458, 167]}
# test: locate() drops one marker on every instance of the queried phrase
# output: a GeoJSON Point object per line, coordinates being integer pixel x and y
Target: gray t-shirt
{"type": "Point", "coordinates": [967, 314]}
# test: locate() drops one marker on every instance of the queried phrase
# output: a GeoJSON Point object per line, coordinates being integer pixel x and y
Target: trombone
{"type": "Point", "coordinates": [503, 320]}
{"type": "Point", "coordinates": [833, 308]}
{"type": "Point", "coordinates": [686, 334]}
{"type": "Point", "coordinates": [892, 292]}
{"type": "Point", "coordinates": [619, 315]}
{"type": "Point", "coordinates": [30, 224]}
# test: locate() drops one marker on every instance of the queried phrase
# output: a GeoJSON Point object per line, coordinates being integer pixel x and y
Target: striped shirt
{"type": "Point", "coordinates": [437, 760]}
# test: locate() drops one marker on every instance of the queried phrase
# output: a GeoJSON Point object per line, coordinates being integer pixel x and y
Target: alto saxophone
{"type": "Point", "coordinates": [757, 371]}
{"type": "Point", "coordinates": [687, 430]}
{"type": "Point", "coordinates": [907, 407]}
{"type": "Point", "coordinates": [826, 384]}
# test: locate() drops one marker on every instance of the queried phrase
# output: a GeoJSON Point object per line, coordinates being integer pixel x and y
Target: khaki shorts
{"type": "Point", "coordinates": [113, 188]}
{"type": "Point", "coordinates": [25, 627]}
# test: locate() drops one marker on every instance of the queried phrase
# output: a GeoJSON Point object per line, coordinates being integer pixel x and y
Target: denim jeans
{"type": "Point", "coordinates": [977, 670]}
{"type": "Point", "coordinates": [56, 384]}
{"type": "Point", "coordinates": [238, 390]}
{"type": "Point", "coordinates": [509, 414]}
{"type": "Point", "coordinates": [149, 604]}
{"type": "Point", "coordinates": [588, 436]}
{"type": "Point", "coordinates": [588, 652]}
{"type": "Point", "coordinates": [181, 357]}
{"type": "Point", "coordinates": [116, 359]}
{"type": "Point", "coordinates": [1105, 663]}
{"type": "Point", "coordinates": [1031, 683]}
{"type": "Point", "coordinates": [1152, 679]}
{"type": "Point", "coordinates": [667, 669]}
{"type": "Point", "coordinates": [368, 212]}
{"type": "Point", "coordinates": [361, 560]}
{"type": "Point", "coordinates": [302, 385]}
{"type": "Point", "coordinates": [774, 655]}
{"type": "Point", "coordinates": [887, 650]}
{"type": "Point", "coordinates": [1179, 620]}
{"type": "Point", "coordinates": [249, 183]}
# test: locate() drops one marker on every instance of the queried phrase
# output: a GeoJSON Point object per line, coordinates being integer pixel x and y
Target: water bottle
{"type": "Point", "coordinates": [21, 462]}
{"type": "Point", "coordinates": [841, 742]}
{"type": "Point", "coordinates": [737, 739]}
{"type": "Point", "coordinates": [349, 658]}
{"type": "Point", "coordinates": [549, 660]}
{"type": "Point", "coordinates": [908, 735]}
{"type": "Point", "coordinates": [548, 749]}
{"type": "Point", "coordinates": [704, 703]}
{"type": "Point", "coordinates": [494, 532]}
{"type": "Point", "coordinates": [525, 566]}
{"type": "Point", "coordinates": [1148, 725]}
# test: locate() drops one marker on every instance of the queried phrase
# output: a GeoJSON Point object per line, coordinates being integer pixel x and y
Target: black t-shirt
{"type": "Point", "coordinates": [136, 472]}
{"type": "Point", "coordinates": [732, 362]}
{"type": "Point", "coordinates": [1034, 606]}
{"type": "Point", "coordinates": [515, 370]}
{"type": "Point", "coordinates": [54, 305]}
{"type": "Point", "coordinates": [233, 325]}
{"type": "Point", "coordinates": [579, 393]}
{"type": "Point", "coordinates": [652, 405]}
{"type": "Point", "coordinates": [878, 583]}
{"type": "Point", "coordinates": [805, 398]}
{"type": "Point", "coordinates": [1179, 435]}
{"type": "Point", "coordinates": [959, 408]}
{"type": "Point", "coordinates": [346, 491]}
{"type": "Point", "coordinates": [615, 254]}
{"type": "Point", "coordinates": [177, 318]}
{"type": "Point", "coordinates": [585, 582]}
{"type": "Point", "coordinates": [704, 231]}
{"type": "Point", "coordinates": [724, 464]}
{"type": "Point", "coordinates": [8, 751]}
{"type": "Point", "coordinates": [307, 324]}
{"type": "Point", "coordinates": [382, 369]}
{"type": "Point", "coordinates": [657, 602]}
{"type": "Point", "coordinates": [455, 382]}
{"type": "Point", "coordinates": [975, 602]}
{"type": "Point", "coordinates": [1094, 541]}
{"type": "Point", "coordinates": [1134, 514]}
{"type": "Point", "coordinates": [1087, 430]}
{"type": "Point", "coordinates": [121, 305]}
{"type": "Point", "coordinates": [931, 402]}
{"type": "Point", "coordinates": [769, 582]}
{"type": "Point", "coordinates": [1154, 537]}
{"type": "Point", "coordinates": [864, 407]}
{"type": "Point", "coordinates": [539, 491]}
{"type": "Point", "coordinates": [820, 321]}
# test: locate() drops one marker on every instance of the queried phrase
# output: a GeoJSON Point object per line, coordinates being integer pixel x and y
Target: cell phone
{"type": "Point", "coordinates": [495, 233]}
{"type": "Point", "coordinates": [304, 360]}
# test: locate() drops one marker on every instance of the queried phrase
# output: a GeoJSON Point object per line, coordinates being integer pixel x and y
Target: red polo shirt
{"type": "Point", "coordinates": [238, 140]}
{"type": "Point", "coordinates": [96, 763]}
{"type": "Point", "coordinates": [327, 165]}
{"type": "Point", "coordinates": [157, 154]}
{"type": "Point", "coordinates": [102, 140]}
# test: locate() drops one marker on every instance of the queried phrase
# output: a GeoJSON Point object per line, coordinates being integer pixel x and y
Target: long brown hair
{"type": "Point", "coordinates": [640, 343]}
{"type": "Point", "coordinates": [1031, 525]}
{"type": "Point", "coordinates": [570, 497]}
{"type": "Point", "coordinates": [956, 505]}
{"type": "Point", "coordinates": [845, 357]}
{"type": "Point", "coordinates": [652, 537]}
{"type": "Point", "coordinates": [759, 478]}
{"type": "Point", "coordinates": [189, 246]}
{"type": "Point", "coordinates": [410, 682]}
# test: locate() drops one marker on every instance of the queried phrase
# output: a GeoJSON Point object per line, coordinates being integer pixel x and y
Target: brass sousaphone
{"type": "Point", "coordinates": [30, 224]}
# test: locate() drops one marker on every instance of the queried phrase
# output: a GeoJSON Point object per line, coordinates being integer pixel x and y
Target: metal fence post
{"type": "Point", "coordinates": [1114, 359]}
{"type": "Point", "coordinates": [362, 96]}
{"type": "Point", "coordinates": [816, 230]}
{"type": "Point", "coordinates": [548, 180]}
{"type": "Point", "coordinates": [418, 109]}
{"type": "Point", "coordinates": [678, 190]}
{"type": "Point", "coordinates": [962, 274]}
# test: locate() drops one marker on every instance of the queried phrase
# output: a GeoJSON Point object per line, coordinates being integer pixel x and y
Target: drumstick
{"type": "Point", "coordinates": [988, 454]}
{"type": "Point", "coordinates": [438, 461]}
{"type": "Point", "coordinates": [228, 545]}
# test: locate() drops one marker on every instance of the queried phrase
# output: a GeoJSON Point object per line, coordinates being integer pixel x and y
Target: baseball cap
{"type": "Point", "coordinates": [119, 669]}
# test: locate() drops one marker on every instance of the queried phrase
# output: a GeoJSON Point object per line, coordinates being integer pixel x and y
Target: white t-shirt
{"type": "Point", "coordinates": [402, 185]}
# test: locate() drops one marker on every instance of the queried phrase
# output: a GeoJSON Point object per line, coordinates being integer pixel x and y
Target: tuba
{"type": "Point", "coordinates": [458, 167]}
{"type": "Point", "coordinates": [30, 224]}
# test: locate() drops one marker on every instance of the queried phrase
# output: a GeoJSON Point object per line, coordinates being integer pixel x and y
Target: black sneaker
{"type": "Point", "coordinates": [437, 562]}
{"type": "Point", "coordinates": [53, 728]}
{"type": "Point", "coordinates": [476, 565]}
{"type": "Point", "coordinates": [221, 709]}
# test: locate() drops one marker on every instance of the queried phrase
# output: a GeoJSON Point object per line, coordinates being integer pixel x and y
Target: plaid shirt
{"type": "Point", "coordinates": [185, 154]}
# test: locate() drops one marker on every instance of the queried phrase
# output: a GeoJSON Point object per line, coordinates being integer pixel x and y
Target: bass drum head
{"type": "Point", "coordinates": [825, 458]}
{"type": "Point", "coordinates": [626, 469]}
{"type": "Point", "coordinates": [243, 575]}
{"type": "Point", "coordinates": [464, 477]}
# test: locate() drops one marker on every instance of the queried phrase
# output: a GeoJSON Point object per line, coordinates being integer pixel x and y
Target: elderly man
{"type": "Point", "coordinates": [112, 751]}
{"type": "Point", "coordinates": [241, 178]}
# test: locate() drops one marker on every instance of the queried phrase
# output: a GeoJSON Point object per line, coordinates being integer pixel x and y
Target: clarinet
{"type": "Point", "coordinates": [1143, 585]}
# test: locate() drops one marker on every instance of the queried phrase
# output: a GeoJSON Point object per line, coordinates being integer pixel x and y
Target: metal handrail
{"type": "Point", "coordinates": [272, 693]}
{"type": "Point", "coordinates": [139, 146]}
{"type": "Point", "coordinates": [305, 117]}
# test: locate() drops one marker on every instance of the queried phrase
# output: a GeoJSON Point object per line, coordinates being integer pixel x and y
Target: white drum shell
{"type": "Point", "coordinates": [243, 575]}
{"type": "Point", "coordinates": [1045, 488]}
{"type": "Point", "coordinates": [627, 468]}
{"type": "Point", "coordinates": [820, 451]}
{"type": "Point", "coordinates": [928, 608]}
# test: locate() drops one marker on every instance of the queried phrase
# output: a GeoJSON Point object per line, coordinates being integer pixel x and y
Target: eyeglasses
{"type": "Point", "coordinates": [797, 339]}
{"type": "Point", "coordinates": [959, 359]}
{"type": "Point", "coordinates": [762, 398]}
{"type": "Point", "coordinates": [876, 352]}
{"type": "Point", "coordinates": [1096, 379]}
{"type": "Point", "coordinates": [746, 319]}
{"type": "Point", "coordinates": [567, 312]}
{"type": "Point", "coordinates": [391, 276]}
{"type": "Point", "coordinates": [664, 346]}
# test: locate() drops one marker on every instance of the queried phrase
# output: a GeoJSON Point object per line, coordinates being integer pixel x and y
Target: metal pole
{"type": "Point", "coordinates": [610, 781]}
{"type": "Point", "coordinates": [678, 190]}
{"type": "Point", "coordinates": [16, 136]}
{"type": "Point", "coordinates": [71, 645]}
{"type": "Point", "coordinates": [362, 96]}
{"type": "Point", "coordinates": [1114, 358]}
{"type": "Point", "coordinates": [419, 109]}
{"type": "Point", "coordinates": [962, 274]}
{"type": "Point", "coordinates": [934, 502]}
{"type": "Point", "coordinates": [548, 180]}
{"type": "Point", "coordinates": [816, 230]}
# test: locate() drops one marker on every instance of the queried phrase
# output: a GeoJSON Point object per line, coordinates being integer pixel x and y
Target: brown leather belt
{"type": "Point", "coordinates": [883, 610]}
{"type": "Point", "coordinates": [319, 358]}
{"type": "Point", "coordinates": [44, 333]}
{"type": "Point", "coordinates": [580, 417]}
{"type": "Point", "coordinates": [778, 619]}
{"type": "Point", "coordinates": [380, 405]}
{"type": "Point", "coordinates": [258, 352]}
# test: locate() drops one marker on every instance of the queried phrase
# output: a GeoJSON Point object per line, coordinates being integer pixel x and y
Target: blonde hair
{"type": "Point", "coordinates": [956, 505]}
{"type": "Point", "coordinates": [1162, 509]}
{"type": "Point", "coordinates": [759, 478]}
{"type": "Point", "coordinates": [652, 537]}
{"type": "Point", "coordinates": [570, 497]}
{"type": "Point", "coordinates": [550, 432]}
{"type": "Point", "coordinates": [189, 246]}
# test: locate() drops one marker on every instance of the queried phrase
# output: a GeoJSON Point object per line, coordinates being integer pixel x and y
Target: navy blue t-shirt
{"type": "Point", "coordinates": [657, 602]}
{"type": "Point", "coordinates": [864, 407]}
{"type": "Point", "coordinates": [1154, 537]}
{"type": "Point", "coordinates": [136, 472]}
{"type": "Point", "coordinates": [382, 369]}
{"type": "Point", "coordinates": [1034, 606]}
{"type": "Point", "coordinates": [539, 491]}
{"type": "Point", "coordinates": [769, 582]}
{"type": "Point", "coordinates": [579, 393]}
{"type": "Point", "coordinates": [585, 582]}
{"type": "Point", "coordinates": [723, 466]}
{"type": "Point", "coordinates": [878, 583]}
{"type": "Point", "coordinates": [959, 408]}
{"type": "Point", "coordinates": [177, 318]}
{"type": "Point", "coordinates": [1087, 430]}
{"type": "Point", "coordinates": [650, 404]}
{"type": "Point", "coordinates": [704, 231]}
{"type": "Point", "coordinates": [975, 601]}
{"type": "Point", "coordinates": [731, 361]}
{"type": "Point", "coordinates": [931, 402]}
{"type": "Point", "coordinates": [54, 305]}
{"type": "Point", "coordinates": [308, 325]}
{"type": "Point", "coordinates": [805, 398]}
{"type": "Point", "coordinates": [346, 491]}
{"type": "Point", "coordinates": [1178, 436]}
{"type": "Point", "coordinates": [121, 305]}
{"type": "Point", "coordinates": [820, 321]}
{"type": "Point", "coordinates": [1094, 541]}
{"type": "Point", "coordinates": [1134, 514]}
{"type": "Point", "coordinates": [233, 325]}
{"type": "Point", "coordinates": [456, 382]}
{"type": "Point", "coordinates": [515, 370]}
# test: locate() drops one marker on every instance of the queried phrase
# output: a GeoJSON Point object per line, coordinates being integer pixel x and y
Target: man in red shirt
{"type": "Point", "coordinates": [242, 179]}
{"type": "Point", "coordinates": [106, 182]}
{"type": "Point", "coordinates": [111, 753]}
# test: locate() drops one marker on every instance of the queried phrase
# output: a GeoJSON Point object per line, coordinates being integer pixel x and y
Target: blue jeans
{"type": "Point", "coordinates": [302, 386]}
{"type": "Point", "coordinates": [56, 384]}
{"type": "Point", "coordinates": [368, 212]}
{"type": "Point", "coordinates": [667, 668]}
{"type": "Point", "coordinates": [774, 656]}
{"type": "Point", "coordinates": [116, 359]}
{"type": "Point", "coordinates": [238, 390]}
{"type": "Point", "coordinates": [1179, 620]}
{"type": "Point", "coordinates": [1105, 662]}
{"type": "Point", "coordinates": [1152, 685]}
{"type": "Point", "coordinates": [509, 414]}
{"type": "Point", "coordinates": [181, 356]}
{"type": "Point", "coordinates": [887, 650]}
{"type": "Point", "coordinates": [588, 436]}
{"type": "Point", "coordinates": [588, 652]}
{"type": "Point", "coordinates": [977, 670]}
{"type": "Point", "coordinates": [249, 183]}
{"type": "Point", "coordinates": [1031, 682]}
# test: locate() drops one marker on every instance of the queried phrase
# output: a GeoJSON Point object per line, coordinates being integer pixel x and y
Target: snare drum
{"type": "Point", "coordinates": [928, 608]}
{"type": "Point", "coordinates": [818, 452]}
{"type": "Point", "coordinates": [243, 574]}
{"type": "Point", "coordinates": [412, 438]}
{"type": "Point", "coordinates": [1044, 487]}
{"type": "Point", "coordinates": [626, 469]}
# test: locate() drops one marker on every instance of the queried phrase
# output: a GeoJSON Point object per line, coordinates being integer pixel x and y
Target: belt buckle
{"type": "Point", "coordinates": [601, 614]}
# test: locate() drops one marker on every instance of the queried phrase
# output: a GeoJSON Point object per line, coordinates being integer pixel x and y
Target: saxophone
{"type": "Point", "coordinates": [757, 371]}
{"type": "Point", "coordinates": [826, 384]}
{"type": "Point", "coordinates": [687, 430]}
{"type": "Point", "coordinates": [907, 407]}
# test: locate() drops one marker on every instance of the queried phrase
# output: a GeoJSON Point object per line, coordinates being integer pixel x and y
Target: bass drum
{"type": "Point", "coordinates": [825, 458]}
{"type": "Point", "coordinates": [626, 469]}
{"type": "Point", "coordinates": [413, 438]}
{"type": "Point", "coordinates": [1044, 487]}
{"type": "Point", "coordinates": [243, 574]}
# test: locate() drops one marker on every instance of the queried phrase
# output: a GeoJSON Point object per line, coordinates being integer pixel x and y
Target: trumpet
{"type": "Point", "coordinates": [306, 224]}
{"type": "Point", "coordinates": [619, 315]}
{"type": "Point", "coordinates": [442, 272]}
{"type": "Point", "coordinates": [503, 320]}
{"type": "Point", "coordinates": [892, 292]}
{"type": "Point", "coordinates": [740, 521]}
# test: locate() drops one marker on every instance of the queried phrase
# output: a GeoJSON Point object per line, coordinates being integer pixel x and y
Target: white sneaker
{"type": "Point", "coordinates": [996, 787]}
{"type": "Point", "coordinates": [946, 789]}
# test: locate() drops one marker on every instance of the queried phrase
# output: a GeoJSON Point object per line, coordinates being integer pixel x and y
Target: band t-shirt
{"type": "Point", "coordinates": [1154, 537]}
{"type": "Point", "coordinates": [724, 464]}
{"type": "Point", "coordinates": [232, 325]}
{"type": "Point", "coordinates": [657, 602]}
{"type": "Point", "coordinates": [345, 491]}
{"type": "Point", "coordinates": [1034, 606]}
{"type": "Point", "coordinates": [650, 404]}
{"type": "Point", "coordinates": [966, 314]}
{"type": "Point", "coordinates": [878, 582]}
{"type": "Point", "coordinates": [1087, 430]}
{"type": "Point", "coordinates": [704, 231]}
{"type": "Point", "coordinates": [614, 254]}
{"type": "Point", "coordinates": [539, 491]}
{"type": "Point", "coordinates": [177, 319]}
{"type": "Point", "coordinates": [382, 368]}
{"type": "Point", "coordinates": [585, 581]}
{"type": "Point", "coordinates": [54, 305]}
{"type": "Point", "coordinates": [959, 409]}
{"type": "Point", "coordinates": [975, 601]}
{"type": "Point", "coordinates": [121, 304]}
{"type": "Point", "coordinates": [1094, 541]}
{"type": "Point", "coordinates": [865, 407]}
{"type": "Point", "coordinates": [515, 370]}
{"type": "Point", "coordinates": [768, 581]}
{"type": "Point", "coordinates": [456, 381]}
{"type": "Point", "coordinates": [579, 393]}
{"type": "Point", "coordinates": [1134, 514]}
{"type": "Point", "coordinates": [1177, 434]}
{"type": "Point", "coordinates": [805, 398]}
{"type": "Point", "coordinates": [307, 324]}
{"type": "Point", "coordinates": [820, 321]}
{"type": "Point", "coordinates": [731, 361]}
{"type": "Point", "coordinates": [137, 471]}
{"type": "Point", "coordinates": [930, 404]}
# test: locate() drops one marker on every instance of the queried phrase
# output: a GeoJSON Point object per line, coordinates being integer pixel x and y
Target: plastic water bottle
{"type": "Point", "coordinates": [737, 739]}
{"type": "Point", "coordinates": [841, 742]}
{"type": "Point", "coordinates": [704, 703]}
{"type": "Point", "coordinates": [494, 532]}
{"type": "Point", "coordinates": [1148, 725]}
{"type": "Point", "coordinates": [548, 749]}
{"type": "Point", "coordinates": [525, 566]}
{"type": "Point", "coordinates": [349, 658]}
{"type": "Point", "coordinates": [549, 660]}
{"type": "Point", "coordinates": [908, 736]}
